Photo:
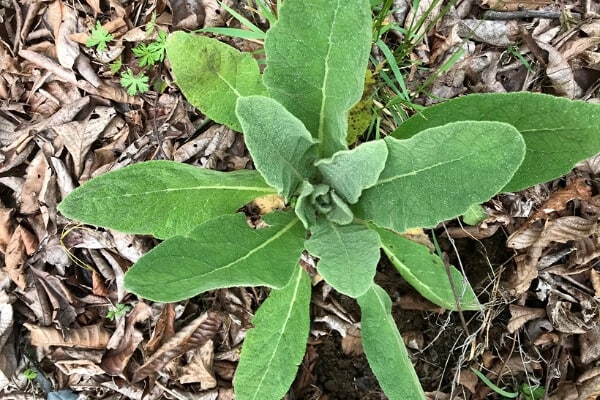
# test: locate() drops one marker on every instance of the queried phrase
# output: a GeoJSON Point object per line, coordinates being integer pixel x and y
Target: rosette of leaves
{"type": "Point", "coordinates": [344, 204]}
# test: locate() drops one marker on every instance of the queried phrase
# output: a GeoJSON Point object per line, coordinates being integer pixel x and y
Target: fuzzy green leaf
{"type": "Point", "coordinates": [213, 75]}
{"type": "Point", "coordinates": [558, 132]}
{"type": "Point", "coordinates": [316, 64]}
{"type": "Point", "coordinates": [426, 272]}
{"type": "Point", "coordinates": [281, 147]}
{"type": "Point", "coordinates": [439, 173]}
{"type": "Point", "coordinates": [385, 348]}
{"type": "Point", "coordinates": [161, 198]}
{"type": "Point", "coordinates": [223, 252]}
{"type": "Point", "coordinates": [351, 171]}
{"type": "Point", "coordinates": [273, 349]}
{"type": "Point", "coordinates": [348, 255]}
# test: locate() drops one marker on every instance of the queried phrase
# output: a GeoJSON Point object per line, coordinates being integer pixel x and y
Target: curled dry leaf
{"type": "Point", "coordinates": [66, 49]}
{"type": "Point", "coordinates": [193, 335]}
{"type": "Point", "coordinates": [520, 278]}
{"type": "Point", "coordinates": [7, 227]}
{"type": "Point", "coordinates": [22, 244]}
{"type": "Point", "coordinates": [200, 368]}
{"type": "Point", "coordinates": [589, 345]}
{"type": "Point", "coordinates": [89, 337]}
{"type": "Point", "coordinates": [560, 73]}
{"type": "Point", "coordinates": [61, 301]}
{"type": "Point", "coordinates": [163, 329]}
{"type": "Point", "coordinates": [566, 320]}
{"type": "Point", "coordinates": [520, 315]}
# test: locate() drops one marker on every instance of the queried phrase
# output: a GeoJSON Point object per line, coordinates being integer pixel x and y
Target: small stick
{"type": "Point", "coordinates": [522, 14]}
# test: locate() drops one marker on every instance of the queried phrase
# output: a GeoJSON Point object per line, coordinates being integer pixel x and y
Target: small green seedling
{"type": "Point", "coordinates": [151, 53]}
{"type": "Point", "coordinates": [99, 38]}
{"type": "Point", "coordinates": [530, 392]}
{"type": "Point", "coordinates": [118, 311]}
{"type": "Point", "coordinates": [135, 84]}
{"type": "Point", "coordinates": [345, 205]}
{"type": "Point", "coordinates": [30, 374]}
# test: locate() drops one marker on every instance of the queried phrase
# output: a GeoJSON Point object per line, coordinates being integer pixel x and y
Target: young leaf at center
{"type": "Point", "coordinates": [223, 252]}
{"type": "Point", "coordinates": [281, 147]}
{"type": "Point", "coordinates": [348, 255]}
{"type": "Point", "coordinates": [351, 171]}
{"type": "Point", "coordinates": [273, 349]}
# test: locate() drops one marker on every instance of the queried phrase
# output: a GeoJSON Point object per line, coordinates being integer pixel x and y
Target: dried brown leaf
{"type": "Point", "coordinates": [578, 46]}
{"type": "Point", "coordinates": [560, 73]}
{"type": "Point", "coordinates": [520, 315]}
{"type": "Point", "coordinates": [89, 337]}
{"type": "Point", "coordinates": [595, 281]}
{"type": "Point", "coordinates": [193, 335]}
{"type": "Point", "coordinates": [61, 300]}
{"type": "Point", "coordinates": [519, 279]}
{"type": "Point", "coordinates": [589, 345]}
{"type": "Point", "coordinates": [565, 229]}
{"type": "Point", "coordinates": [590, 389]}
{"type": "Point", "coordinates": [116, 359]}
{"type": "Point", "coordinates": [78, 137]}
{"type": "Point", "coordinates": [565, 319]}
{"type": "Point", "coordinates": [199, 369]}
{"type": "Point", "coordinates": [188, 14]}
{"type": "Point", "coordinates": [34, 180]}
{"type": "Point", "coordinates": [22, 243]}
{"type": "Point", "coordinates": [7, 227]}
{"type": "Point", "coordinates": [66, 49]}
{"type": "Point", "coordinates": [469, 380]}
{"type": "Point", "coordinates": [79, 367]}
{"type": "Point", "coordinates": [163, 330]}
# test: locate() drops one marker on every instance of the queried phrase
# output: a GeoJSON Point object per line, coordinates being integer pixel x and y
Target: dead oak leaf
{"type": "Point", "coordinates": [78, 136]}
{"type": "Point", "coordinates": [22, 244]}
{"type": "Point", "coordinates": [89, 337]}
{"type": "Point", "coordinates": [193, 335]}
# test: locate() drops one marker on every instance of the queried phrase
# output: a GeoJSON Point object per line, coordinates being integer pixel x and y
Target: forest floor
{"type": "Point", "coordinates": [67, 326]}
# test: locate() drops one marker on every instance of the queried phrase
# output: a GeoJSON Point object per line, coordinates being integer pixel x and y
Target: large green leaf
{"type": "Point", "coordinates": [427, 274]}
{"type": "Point", "coordinates": [213, 75]}
{"type": "Point", "coordinates": [222, 252]}
{"type": "Point", "coordinates": [351, 171]}
{"type": "Point", "coordinates": [348, 255]}
{"type": "Point", "coordinates": [317, 54]}
{"type": "Point", "coordinates": [558, 132]}
{"type": "Point", "coordinates": [273, 349]}
{"type": "Point", "coordinates": [161, 198]}
{"type": "Point", "coordinates": [281, 147]}
{"type": "Point", "coordinates": [385, 348]}
{"type": "Point", "coordinates": [439, 173]}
